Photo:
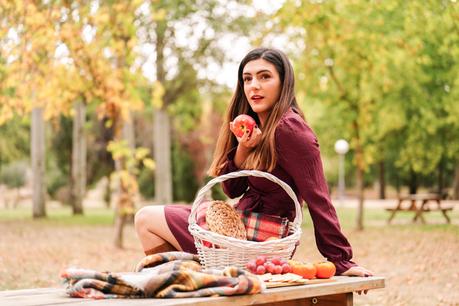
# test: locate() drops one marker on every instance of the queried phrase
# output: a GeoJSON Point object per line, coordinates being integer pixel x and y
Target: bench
{"type": "Point", "coordinates": [419, 203]}
{"type": "Point", "coordinates": [337, 292]}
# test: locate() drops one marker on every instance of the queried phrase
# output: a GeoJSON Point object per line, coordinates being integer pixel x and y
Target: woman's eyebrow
{"type": "Point", "coordinates": [261, 71]}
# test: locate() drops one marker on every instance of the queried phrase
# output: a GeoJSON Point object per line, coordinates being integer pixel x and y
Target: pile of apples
{"type": "Point", "coordinates": [277, 265]}
{"type": "Point", "coordinates": [262, 265]}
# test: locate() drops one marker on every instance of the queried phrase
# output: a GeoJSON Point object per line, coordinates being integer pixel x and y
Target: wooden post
{"type": "Point", "coordinates": [162, 153]}
{"type": "Point", "coordinates": [78, 158]}
{"type": "Point", "coordinates": [38, 162]}
{"type": "Point", "coordinates": [125, 199]}
{"type": "Point", "coordinates": [162, 129]}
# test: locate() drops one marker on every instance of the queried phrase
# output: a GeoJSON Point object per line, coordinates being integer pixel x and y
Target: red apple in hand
{"type": "Point", "coordinates": [243, 123]}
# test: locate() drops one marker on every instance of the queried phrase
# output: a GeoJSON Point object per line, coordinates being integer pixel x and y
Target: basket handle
{"type": "Point", "coordinates": [203, 191]}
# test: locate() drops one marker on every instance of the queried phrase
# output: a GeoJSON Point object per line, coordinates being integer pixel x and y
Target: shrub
{"type": "Point", "coordinates": [13, 175]}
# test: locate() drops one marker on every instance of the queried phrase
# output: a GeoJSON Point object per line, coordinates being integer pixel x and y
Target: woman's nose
{"type": "Point", "coordinates": [255, 84]}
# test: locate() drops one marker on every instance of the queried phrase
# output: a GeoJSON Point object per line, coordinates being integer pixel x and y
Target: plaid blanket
{"type": "Point", "coordinates": [260, 227]}
{"type": "Point", "coordinates": [163, 275]}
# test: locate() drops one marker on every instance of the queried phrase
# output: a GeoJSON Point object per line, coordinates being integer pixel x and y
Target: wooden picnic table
{"type": "Point", "coordinates": [419, 203]}
{"type": "Point", "coordinates": [337, 292]}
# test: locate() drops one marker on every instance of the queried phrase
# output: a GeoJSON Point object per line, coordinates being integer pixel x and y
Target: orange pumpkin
{"type": "Point", "coordinates": [325, 269]}
{"type": "Point", "coordinates": [306, 270]}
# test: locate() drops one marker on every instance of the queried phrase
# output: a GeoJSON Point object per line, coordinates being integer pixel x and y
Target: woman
{"type": "Point", "coordinates": [282, 144]}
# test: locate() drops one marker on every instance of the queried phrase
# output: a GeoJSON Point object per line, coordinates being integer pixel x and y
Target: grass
{"type": "Point", "coordinates": [377, 217]}
{"type": "Point", "coordinates": [61, 216]}
{"type": "Point", "coordinates": [373, 217]}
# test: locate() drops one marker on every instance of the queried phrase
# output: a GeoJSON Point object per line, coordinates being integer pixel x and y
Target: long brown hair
{"type": "Point", "coordinates": [263, 157]}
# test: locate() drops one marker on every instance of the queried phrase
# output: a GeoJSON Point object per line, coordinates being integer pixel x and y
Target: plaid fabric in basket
{"type": "Point", "coordinates": [260, 227]}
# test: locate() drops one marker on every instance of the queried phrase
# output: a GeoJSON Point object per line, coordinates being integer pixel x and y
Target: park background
{"type": "Point", "coordinates": [106, 106]}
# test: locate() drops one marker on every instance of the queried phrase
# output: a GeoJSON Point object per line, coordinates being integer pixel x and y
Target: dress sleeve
{"type": "Point", "coordinates": [235, 187]}
{"type": "Point", "coordinates": [299, 155]}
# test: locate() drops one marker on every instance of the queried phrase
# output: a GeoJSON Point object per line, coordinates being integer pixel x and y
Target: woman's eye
{"type": "Point", "coordinates": [264, 77]}
{"type": "Point", "coordinates": [247, 79]}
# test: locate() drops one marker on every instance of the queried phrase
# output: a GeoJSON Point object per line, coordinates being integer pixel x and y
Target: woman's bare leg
{"type": "Point", "coordinates": [153, 231]}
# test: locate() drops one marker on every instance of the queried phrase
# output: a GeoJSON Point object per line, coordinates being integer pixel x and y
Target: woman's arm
{"type": "Point", "coordinates": [235, 158]}
{"type": "Point", "coordinates": [299, 155]}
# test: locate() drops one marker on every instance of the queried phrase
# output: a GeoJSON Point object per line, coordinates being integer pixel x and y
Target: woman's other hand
{"type": "Point", "coordinates": [358, 271]}
{"type": "Point", "coordinates": [249, 140]}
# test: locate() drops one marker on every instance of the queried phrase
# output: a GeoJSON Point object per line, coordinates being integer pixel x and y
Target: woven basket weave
{"type": "Point", "coordinates": [223, 219]}
{"type": "Point", "coordinates": [236, 252]}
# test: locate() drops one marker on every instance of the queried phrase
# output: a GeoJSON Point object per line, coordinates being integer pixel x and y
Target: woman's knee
{"type": "Point", "coordinates": [146, 216]}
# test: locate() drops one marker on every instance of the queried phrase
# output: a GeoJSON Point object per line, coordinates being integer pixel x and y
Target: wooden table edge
{"type": "Point", "coordinates": [342, 285]}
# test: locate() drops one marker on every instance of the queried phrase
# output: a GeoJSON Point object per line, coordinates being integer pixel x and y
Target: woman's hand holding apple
{"type": "Point", "coordinates": [249, 139]}
{"type": "Point", "coordinates": [247, 134]}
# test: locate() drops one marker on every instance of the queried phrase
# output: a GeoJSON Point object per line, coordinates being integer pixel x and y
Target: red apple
{"type": "Point", "coordinates": [251, 266]}
{"type": "Point", "coordinates": [276, 260]}
{"type": "Point", "coordinates": [286, 268]}
{"type": "Point", "coordinates": [242, 123]}
{"type": "Point", "coordinates": [269, 267]}
{"type": "Point", "coordinates": [261, 270]}
{"type": "Point", "coordinates": [260, 260]}
{"type": "Point", "coordinates": [277, 270]}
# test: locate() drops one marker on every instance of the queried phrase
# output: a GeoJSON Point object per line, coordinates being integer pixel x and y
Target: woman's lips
{"type": "Point", "coordinates": [256, 98]}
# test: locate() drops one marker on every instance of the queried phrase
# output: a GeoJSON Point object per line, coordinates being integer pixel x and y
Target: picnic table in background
{"type": "Point", "coordinates": [338, 291]}
{"type": "Point", "coordinates": [420, 203]}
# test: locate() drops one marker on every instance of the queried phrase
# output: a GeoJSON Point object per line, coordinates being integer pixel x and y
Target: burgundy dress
{"type": "Point", "coordinates": [300, 166]}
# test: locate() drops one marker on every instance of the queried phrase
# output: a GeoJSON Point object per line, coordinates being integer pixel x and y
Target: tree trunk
{"type": "Point", "coordinates": [129, 136]}
{"type": "Point", "coordinates": [38, 162]}
{"type": "Point", "coordinates": [361, 198]}
{"type": "Point", "coordinates": [120, 220]}
{"type": "Point", "coordinates": [162, 153]}
{"type": "Point", "coordinates": [360, 163]}
{"type": "Point", "coordinates": [456, 182]}
{"type": "Point", "coordinates": [397, 184]}
{"type": "Point", "coordinates": [125, 200]}
{"type": "Point", "coordinates": [128, 132]}
{"type": "Point", "coordinates": [413, 182]}
{"type": "Point", "coordinates": [162, 130]}
{"type": "Point", "coordinates": [108, 192]}
{"type": "Point", "coordinates": [78, 188]}
{"type": "Point", "coordinates": [441, 171]}
{"type": "Point", "coordinates": [382, 180]}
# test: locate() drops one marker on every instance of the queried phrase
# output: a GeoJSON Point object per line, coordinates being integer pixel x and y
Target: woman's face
{"type": "Point", "coordinates": [262, 86]}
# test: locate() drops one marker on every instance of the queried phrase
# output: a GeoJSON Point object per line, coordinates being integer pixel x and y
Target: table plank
{"type": "Point", "coordinates": [55, 296]}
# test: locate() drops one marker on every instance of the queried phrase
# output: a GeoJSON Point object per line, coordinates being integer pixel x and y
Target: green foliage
{"type": "Point", "coordinates": [184, 180]}
{"type": "Point", "coordinates": [13, 175]}
{"type": "Point", "coordinates": [55, 177]}
{"type": "Point", "coordinates": [186, 109]}
{"type": "Point", "coordinates": [217, 190]}
{"type": "Point", "coordinates": [146, 183]}
{"type": "Point", "coordinates": [381, 75]}
{"type": "Point", "coordinates": [61, 144]}
{"type": "Point", "coordinates": [14, 140]}
{"type": "Point", "coordinates": [185, 184]}
{"type": "Point", "coordinates": [99, 160]}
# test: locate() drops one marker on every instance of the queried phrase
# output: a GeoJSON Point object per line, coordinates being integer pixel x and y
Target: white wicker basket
{"type": "Point", "coordinates": [235, 252]}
